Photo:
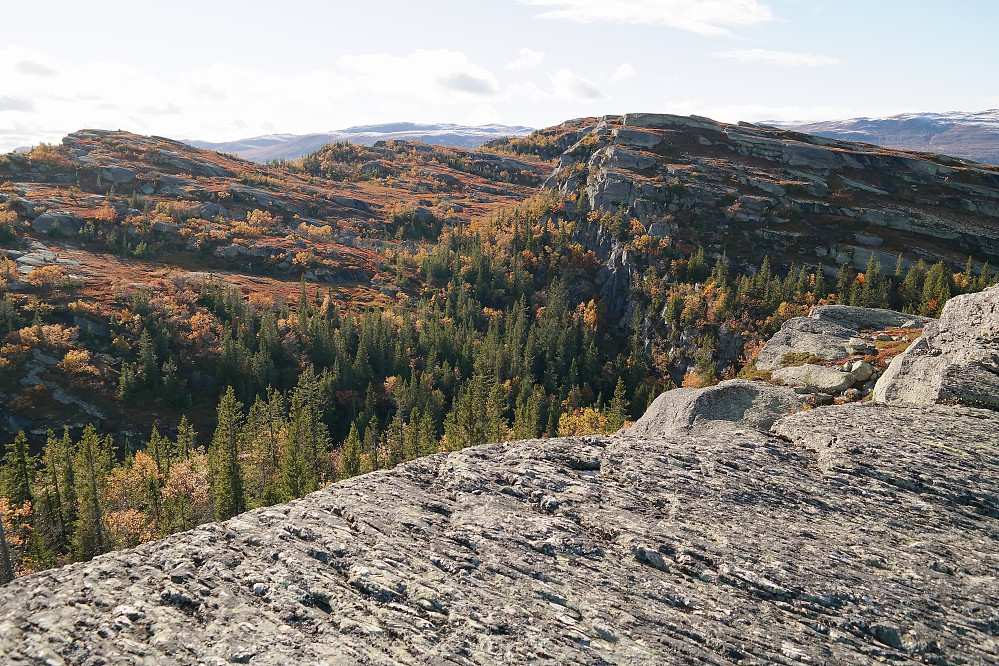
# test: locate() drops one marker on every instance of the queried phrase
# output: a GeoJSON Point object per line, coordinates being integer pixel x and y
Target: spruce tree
{"type": "Point", "coordinates": [94, 460]}
{"type": "Point", "coordinates": [350, 455]}
{"type": "Point", "coordinates": [186, 438]}
{"type": "Point", "coordinates": [15, 475]}
{"type": "Point", "coordinates": [617, 411]}
{"type": "Point", "coordinates": [225, 473]}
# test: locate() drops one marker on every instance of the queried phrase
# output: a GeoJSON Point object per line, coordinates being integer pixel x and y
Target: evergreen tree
{"type": "Point", "coordinates": [308, 439]}
{"type": "Point", "coordinates": [15, 474]}
{"type": "Point", "coordinates": [820, 289]}
{"type": "Point", "coordinates": [350, 455]}
{"type": "Point", "coordinates": [147, 361]}
{"type": "Point", "coordinates": [94, 460]}
{"type": "Point", "coordinates": [225, 472]}
{"type": "Point", "coordinates": [264, 435]}
{"type": "Point", "coordinates": [186, 438]}
{"type": "Point", "coordinates": [428, 443]}
{"type": "Point", "coordinates": [617, 411]}
{"type": "Point", "coordinates": [126, 382]}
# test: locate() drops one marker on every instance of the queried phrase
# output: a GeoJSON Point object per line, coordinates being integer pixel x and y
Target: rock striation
{"type": "Point", "coordinates": [725, 526]}
{"type": "Point", "coordinates": [752, 191]}
{"type": "Point", "coordinates": [955, 361]}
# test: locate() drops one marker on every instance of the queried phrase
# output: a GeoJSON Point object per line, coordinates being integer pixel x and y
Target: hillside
{"type": "Point", "coordinates": [180, 323]}
{"type": "Point", "coordinates": [718, 529]}
{"type": "Point", "coordinates": [293, 146]}
{"type": "Point", "coordinates": [973, 136]}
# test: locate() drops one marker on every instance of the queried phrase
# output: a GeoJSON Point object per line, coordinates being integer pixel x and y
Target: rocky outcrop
{"type": "Point", "coordinates": [955, 361]}
{"type": "Point", "coordinates": [705, 533]}
{"type": "Point", "coordinates": [830, 332]}
{"type": "Point", "coordinates": [741, 188]}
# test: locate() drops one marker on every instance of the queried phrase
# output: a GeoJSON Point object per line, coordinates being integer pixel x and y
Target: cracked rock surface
{"type": "Point", "coordinates": [850, 534]}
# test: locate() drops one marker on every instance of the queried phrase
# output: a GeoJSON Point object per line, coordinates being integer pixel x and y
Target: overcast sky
{"type": "Point", "coordinates": [221, 69]}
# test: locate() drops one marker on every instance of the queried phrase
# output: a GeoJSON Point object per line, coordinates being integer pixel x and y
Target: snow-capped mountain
{"type": "Point", "coordinates": [972, 135]}
{"type": "Point", "coordinates": [293, 146]}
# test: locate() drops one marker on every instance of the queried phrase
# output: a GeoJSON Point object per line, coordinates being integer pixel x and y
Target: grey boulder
{"type": "Point", "coordinates": [66, 223]}
{"type": "Point", "coordinates": [830, 332]}
{"type": "Point", "coordinates": [955, 361]}
{"type": "Point", "coordinates": [828, 380]}
{"type": "Point", "coordinates": [755, 405]}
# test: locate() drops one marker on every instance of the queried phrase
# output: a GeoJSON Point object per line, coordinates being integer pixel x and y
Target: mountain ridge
{"type": "Point", "coordinates": [972, 135]}
{"type": "Point", "coordinates": [293, 146]}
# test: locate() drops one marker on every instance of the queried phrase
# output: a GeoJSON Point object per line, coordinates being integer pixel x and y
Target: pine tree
{"type": "Point", "coordinates": [265, 434]}
{"type": "Point", "coordinates": [308, 439]}
{"type": "Point", "coordinates": [126, 382]}
{"type": "Point", "coordinates": [50, 456]}
{"type": "Point", "coordinates": [158, 448]}
{"type": "Point", "coordinates": [225, 473]}
{"type": "Point", "coordinates": [820, 289]}
{"type": "Point", "coordinates": [147, 361]}
{"type": "Point", "coordinates": [428, 443]}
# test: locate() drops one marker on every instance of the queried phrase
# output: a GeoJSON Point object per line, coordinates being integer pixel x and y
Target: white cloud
{"type": "Point", "coordinates": [785, 58]}
{"type": "Point", "coordinates": [703, 17]}
{"type": "Point", "coordinates": [571, 86]}
{"type": "Point", "coordinates": [527, 59]}
{"type": "Point", "coordinates": [624, 72]}
{"type": "Point", "coordinates": [483, 114]}
{"type": "Point", "coordinates": [435, 76]}
{"type": "Point", "coordinates": [50, 97]}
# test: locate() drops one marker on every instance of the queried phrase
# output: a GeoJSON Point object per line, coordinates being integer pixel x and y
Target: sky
{"type": "Point", "coordinates": [220, 70]}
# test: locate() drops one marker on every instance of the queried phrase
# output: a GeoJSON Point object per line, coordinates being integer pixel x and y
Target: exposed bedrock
{"type": "Point", "coordinates": [955, 361]}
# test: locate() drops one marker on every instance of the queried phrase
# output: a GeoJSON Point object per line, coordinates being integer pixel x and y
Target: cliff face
{"type": "Point", "coordinates": [717, 529]}
{"type": "Point", "coordinates": [754, 191]}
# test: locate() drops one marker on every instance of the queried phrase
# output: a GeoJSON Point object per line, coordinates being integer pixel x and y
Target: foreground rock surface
{"type": "Point", "coordinates": [956, 360]}
{"type": "Point", "coordinates": [855, 534]}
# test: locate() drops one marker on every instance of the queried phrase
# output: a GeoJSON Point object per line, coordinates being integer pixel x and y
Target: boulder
{"type": "Point", "coordinates": [118, 175]}
{"type": "Point", "coordinates": [67, 223]}
{"type": "Point", "coordinates": [827, 380]}
{"type": "Point", "coordinates": [804, 335]}
{"type": "Point", "coordinates": [755, 405]}
{"type": "Point", "coordinates": [860, 370]}
{"type": "Point", "coordinates": [830, 332]}
{"type": "Point", "coordinates": [955, 361]}
{"type": "Point", "coordinates": [622, 158]}
{"type": "Point", "coordinates": [867, 318]}
{"type": "Point", "coordinates": [209, 211]}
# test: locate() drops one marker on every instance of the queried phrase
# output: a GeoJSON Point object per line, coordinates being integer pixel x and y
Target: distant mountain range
{"type": "Point", "coordinates": [970, 135]}
{"type": "Point", "coordinates": [293, 146]}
